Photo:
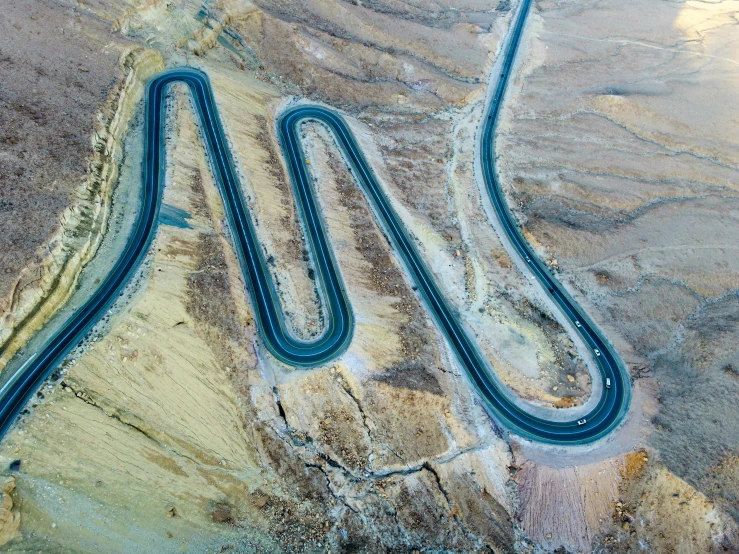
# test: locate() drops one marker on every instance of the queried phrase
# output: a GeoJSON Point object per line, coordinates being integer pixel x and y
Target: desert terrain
{"type": "Point", "coordinates": [620, 153]}
{"type": "Point", "coordinates": [172, 429]}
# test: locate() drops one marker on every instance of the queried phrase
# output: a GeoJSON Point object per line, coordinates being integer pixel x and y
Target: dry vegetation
{"type": "Point", "coordinates": [58, 65]}
{"type": "Point", "coordinates": [386, 280]}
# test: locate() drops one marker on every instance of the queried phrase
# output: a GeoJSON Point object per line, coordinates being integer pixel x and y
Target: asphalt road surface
{"type": "Point", "coordinates": [339, 322]}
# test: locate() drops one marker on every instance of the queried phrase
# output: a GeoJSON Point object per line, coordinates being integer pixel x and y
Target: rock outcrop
{"type": "Point", "coordinates": [41, 289]}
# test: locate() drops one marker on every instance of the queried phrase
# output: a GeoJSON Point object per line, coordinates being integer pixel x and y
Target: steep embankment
{"type": "Point", "coordinates": [82, 224]}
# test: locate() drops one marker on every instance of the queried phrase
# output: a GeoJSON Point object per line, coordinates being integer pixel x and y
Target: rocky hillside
{"type": "Point", "coordinates": [171, 428]}
{"type": "Point", "coordinates": [620, 152]}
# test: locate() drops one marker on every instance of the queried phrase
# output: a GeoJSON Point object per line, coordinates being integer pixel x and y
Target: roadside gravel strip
{"type": "Point", "coordinates": [606, 414]}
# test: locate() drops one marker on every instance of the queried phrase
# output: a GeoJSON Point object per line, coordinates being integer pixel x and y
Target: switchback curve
{"type": "Point", "coordinates": [337, 334]}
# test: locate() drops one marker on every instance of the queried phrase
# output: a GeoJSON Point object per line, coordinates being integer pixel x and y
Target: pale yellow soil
{"type": "Point", "coordinates": [622, 504]}
{"type": "Point", "coordinates": [618, 149]}
{"type": "Point", "coordinates": [530, 351]}
{"type": "Point", "coordinates": [419, 142]}
{"type": "Point", "coordinates": [61, 73]}
{"type": "Point", "coordinates": [9, 518]}
{"type": "Point", "coordinates": [395, 371]}
{"type": "Point", "coordinates": [659, 512]}
{"type": "Point", "coordinates": [166, 430]}
{"type": "Point", "coordinates": [149, 413]}
{"type": "Point", "coordinates": [251, 132]}
{"type": "Point", "coordinates": [176, 431]}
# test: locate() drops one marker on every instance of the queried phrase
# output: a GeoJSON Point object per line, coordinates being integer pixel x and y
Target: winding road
{"type": "Point", "coordinates": [604, 417]}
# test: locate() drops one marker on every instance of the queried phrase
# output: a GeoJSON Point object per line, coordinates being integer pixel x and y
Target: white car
{"type": "Point", "coordinates": [582, 421]}
{"type": "Point", "coordinates": [577, 324]}
{"type": "Point", "coordinates": [608, 382]}
{"type": "Point", "coordinates": [597, 352]}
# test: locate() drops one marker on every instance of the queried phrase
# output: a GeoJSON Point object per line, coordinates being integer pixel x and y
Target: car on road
{"type": "Point", "coordinates": [582, 421]}
{"type": "Point", "coordinates": [577, 324]}
{"type": "Point", "coordinates": [597, 352]}
{"type": "Point", "coordinates": [608, 382]}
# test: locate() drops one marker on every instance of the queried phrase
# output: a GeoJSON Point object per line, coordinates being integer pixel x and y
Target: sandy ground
{"type": "Point", "coordinates": [527, 348]}
{"type": "Point", "coordinates": [619, 152]}
{"type": "Point", "coordinates": [291, 462]}
{"type": "Point", "coordinates": [174, 428]}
